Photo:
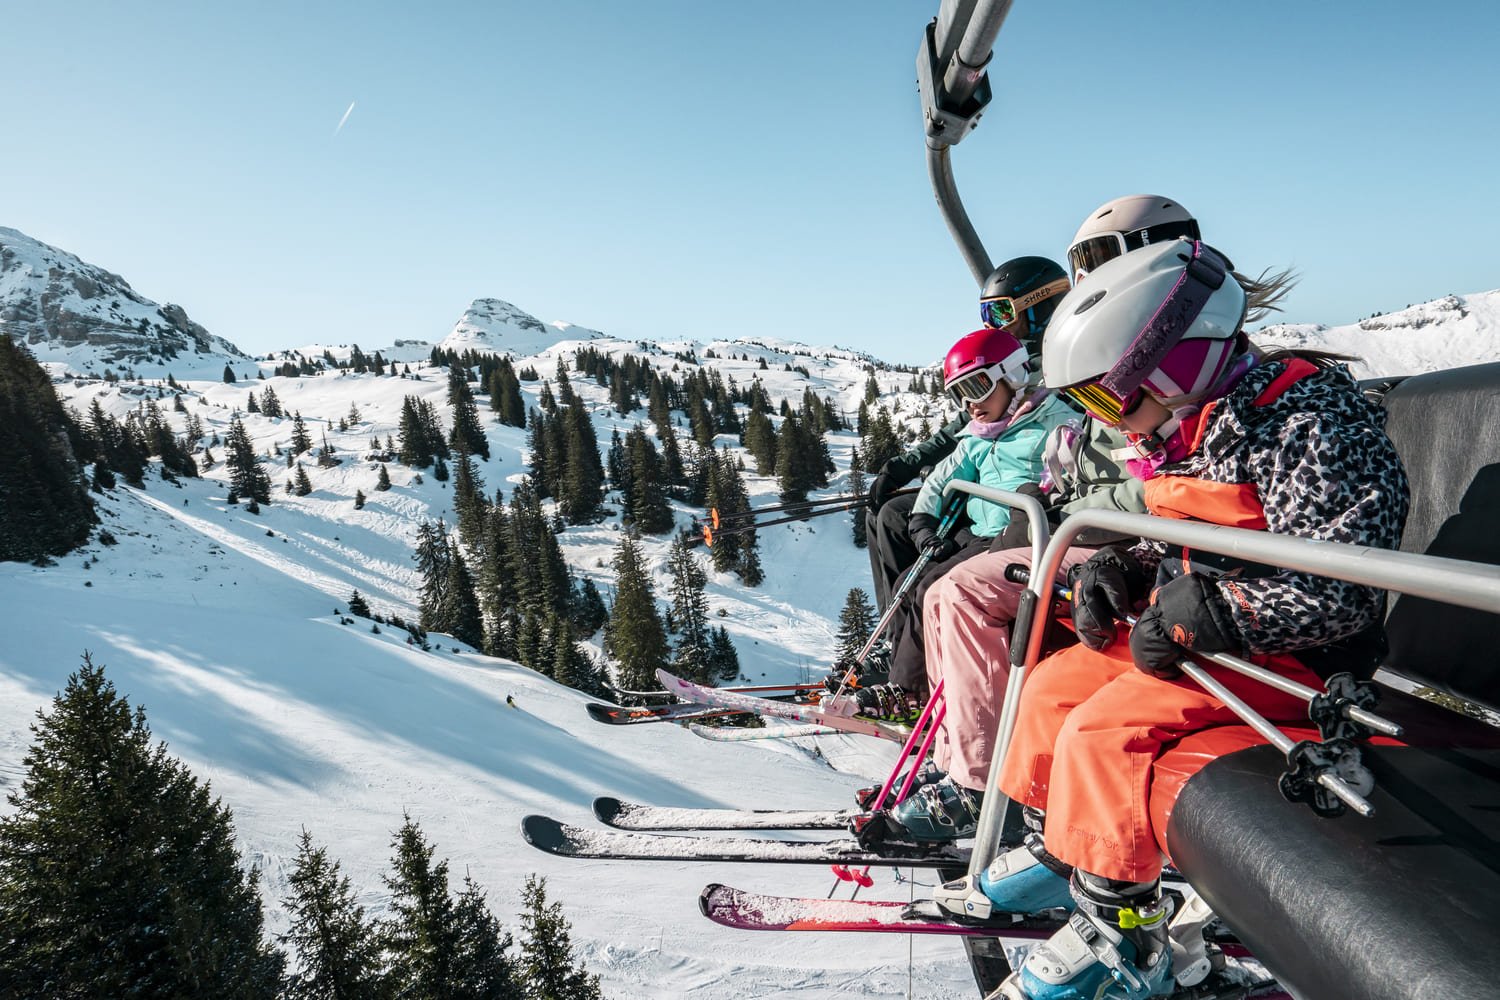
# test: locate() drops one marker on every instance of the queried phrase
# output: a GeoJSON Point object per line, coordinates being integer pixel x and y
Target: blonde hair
{"type": "Point", "coordinates": [1263, 295]}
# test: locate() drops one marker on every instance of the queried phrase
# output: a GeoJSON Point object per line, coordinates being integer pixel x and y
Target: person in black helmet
{"type": "Point", "coordinates": [1018, 297]}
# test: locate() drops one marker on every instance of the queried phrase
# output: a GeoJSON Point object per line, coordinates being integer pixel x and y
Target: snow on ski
{"type": "Point", "coordinates": [616, 715]}
{"type": "Point", "coordinates": [753, 911]}
{"type": "Point", "coordinates": [566, 840]}
{"type": "Point", "coordinates": [787, 690]}
{"type": "Point", "coordinates": [635, 816]}
{"type": "Point", "coordinates": [688, 691]}
{"type": "Point", "coordinates": [740, 734]}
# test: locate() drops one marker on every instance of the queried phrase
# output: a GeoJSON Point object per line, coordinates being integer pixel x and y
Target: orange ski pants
{"type": "Point", "coordinates": [1091, 726]}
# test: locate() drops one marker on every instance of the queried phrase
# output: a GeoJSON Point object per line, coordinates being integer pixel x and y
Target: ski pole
{"type": "Point", "coordinates": [1323, 773]}
{"type": "Point", "coordinates": [717, 518]}
{"type": "Point", "coordinates": [952, 508]}
{"type": "Point", "coordinates": [1019, 574]}
{"type": "Point", "coordinates": [931, 717]}
{"type": "Point", "coordinates": [709, 534]}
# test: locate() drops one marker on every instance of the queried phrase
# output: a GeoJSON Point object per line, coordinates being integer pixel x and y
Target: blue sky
{"type": "Point", "coordinates": [662, 169]}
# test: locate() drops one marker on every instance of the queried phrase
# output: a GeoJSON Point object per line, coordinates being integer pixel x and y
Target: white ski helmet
{"type": "Point", "coordinates": [1126, 224]}
{"type": "Point", "coordinates": [1164, 318]}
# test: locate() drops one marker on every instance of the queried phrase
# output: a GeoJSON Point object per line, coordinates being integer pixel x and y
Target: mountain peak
{"type": "Point", "coordinates": [67, 310]}
{"type": "Point", "coordinates": [498, 326]}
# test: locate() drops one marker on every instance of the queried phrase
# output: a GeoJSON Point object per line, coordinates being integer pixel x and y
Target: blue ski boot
{"type": "Point", "coordinates": [937, 813]}
{"type": "Point", "coordinates": [1113, 947]}
{"type": "Point", "coordinates": [1024, 879]}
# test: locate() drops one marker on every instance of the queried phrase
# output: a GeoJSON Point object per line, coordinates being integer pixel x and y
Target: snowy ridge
{"type": "Point", "coordinates": [1449, 332]}
{"type": "Point", "coordinates": [495, 326]}
{"type": "Point", "coordinates": [85, 318]}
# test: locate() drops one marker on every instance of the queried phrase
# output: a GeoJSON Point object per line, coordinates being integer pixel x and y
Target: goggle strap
{"type": "Point", "coordinates": [1204, 275]}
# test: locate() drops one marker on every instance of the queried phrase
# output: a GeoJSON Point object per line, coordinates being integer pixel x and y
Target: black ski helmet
{"type": "Point", "coordinates": [1023, 288]}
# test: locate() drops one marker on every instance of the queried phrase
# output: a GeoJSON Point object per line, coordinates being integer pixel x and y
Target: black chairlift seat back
{"type": "Point", "coordinates": [1401, 905]}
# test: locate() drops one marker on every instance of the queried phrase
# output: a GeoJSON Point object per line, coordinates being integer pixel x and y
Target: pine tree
{"type": "Point", "coordinates": [304, 484]}
{"type": "Point", "coordinates": [432, 563]}
{"type": "Point", "coordinates": [692, 658]}
{"type": "Point", "coordinates": [468, 433]}
{"type": "Point", "coordinates": [384, 483]}
{"type": "Point", "coordinates": [635, 636]}
{"type": "Point", "coordinates": [246, 478]}
{"type": "Point", "coordinates": [119, 875]}
{"type": "Point", "coordinates": [724, 661]}
{"type": "Point", "coordinates": [358, 605]}
{"type": "Point", "coordinates": [421, 935]}
{"type": "Point", "coordinates": [359, 498]}
{"type": "Point", "coordinates": [482, 969]}
{"type": "Point", "coordinates": [45, 508]}
{"type": "Point", "coordinates": [301, 439]}
{"type": "Point", "coordinates": [857, 488]}
{"type": "Point", "coordinates": [547, 962]}
{"type": "Point", "coordinates": [583, 478]}
{"type": "Point", "coordinates": [337, 949]}
{"type": "Point", "coordinates": [586, 611]}
{"type": "Point", "coordinates": [228, 375]}
{"type": "Point", "coordinates": [468, 500]}
{"type": "Point", "coordinates": [855, 623]}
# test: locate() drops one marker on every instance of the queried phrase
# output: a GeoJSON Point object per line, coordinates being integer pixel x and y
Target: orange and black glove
{"type": "Point", "coordinates": [1187, 614]}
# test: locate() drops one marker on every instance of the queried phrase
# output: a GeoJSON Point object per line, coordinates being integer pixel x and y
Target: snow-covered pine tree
{"type": "Point", "coordinates": [94, 920]}
{"type": "Point", "coordinates": [336, 950]}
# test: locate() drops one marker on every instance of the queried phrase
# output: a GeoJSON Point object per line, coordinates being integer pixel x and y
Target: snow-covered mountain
{"type": "Point", "coordinates": [68, 311]}
{"type": "Point", "coordinates": [1449, 332]}
{"type": "Point", "coordinates": [497, 327]}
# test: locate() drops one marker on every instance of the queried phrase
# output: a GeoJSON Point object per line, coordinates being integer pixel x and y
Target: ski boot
{"type": "Point", "coordinates": [1025, 879]}
{"type": "Point", "coordinates": [1113, 947]}
{"type": "Point", "coordinates": [885, 702]}
{"type": "Point", "coordinates": [936, 813]}
{"type": "Point", "coordinates": [939, 812]}
{"type": "Point", "coordinates": [927, 773]}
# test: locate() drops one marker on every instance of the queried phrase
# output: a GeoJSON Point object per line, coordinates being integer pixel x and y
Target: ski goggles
{"type": "Point", "coordinates": [1004, 310]}
{"type": "Point", "coordinates": [1101, 402]}
{"type": "Point", "coordinates": [976, 386]}
{"type": "Point", "coordinates": [1085, 255]}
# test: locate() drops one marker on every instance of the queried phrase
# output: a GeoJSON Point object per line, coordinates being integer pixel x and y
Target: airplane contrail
{"type": "Point", "coordinates": [343, 119]}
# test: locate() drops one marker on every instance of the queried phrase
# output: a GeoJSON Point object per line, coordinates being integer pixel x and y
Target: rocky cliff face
{"type": "Point", "coordinates": [59, 306]}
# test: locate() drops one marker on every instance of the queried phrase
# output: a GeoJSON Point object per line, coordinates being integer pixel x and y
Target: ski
{"type": "Point", "coordinates": [790, 690]}
{"type": "Point", "coordinates": [616, 715]}
{"type": "Point", "coordinates": [634, 816]}
{"type": "Point", "coordinates": [565, 840]}
{"type": "Point", "coordinates": [754, 911]}
{"type": "Point", "coordinates": [810, 713]}
{"type": "Point", "coordinates": [739, 734]}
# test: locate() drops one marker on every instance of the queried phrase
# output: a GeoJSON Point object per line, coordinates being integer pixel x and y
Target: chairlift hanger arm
{"type": "Point", "coordinates": [956, 48]}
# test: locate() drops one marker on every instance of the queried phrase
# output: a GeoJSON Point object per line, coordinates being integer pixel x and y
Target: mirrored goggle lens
{"type": "Point", "coordinates": [1088, 254]}
{"type": "Point", "coordinates": [1102, 403]}
{"type": "Point", "coordinates": [974, 388]}
{"type": "Point", "coordinates": [998, 313]}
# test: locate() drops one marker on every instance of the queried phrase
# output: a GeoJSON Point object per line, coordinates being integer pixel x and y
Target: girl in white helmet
{"type": "Point", "coordinates": [1151, 341]}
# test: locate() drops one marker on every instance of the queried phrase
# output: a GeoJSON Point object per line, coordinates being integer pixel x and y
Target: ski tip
{"type": "Point", "coordinates": [608, 808]}
{"type": "Point", "coordinates": [710, 899]}
{"type": "Point", "coordinates": [542, 831]}
{"type": "Point", "coordinates": [600, 712]}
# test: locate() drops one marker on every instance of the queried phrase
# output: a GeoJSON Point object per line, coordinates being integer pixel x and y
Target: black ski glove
{"type": "Point", "coordinates": [1188, 613]}
{"type": "Point", "coordinates": [893, 475]}
{"type": "Point", "coordinates": [1017, 534]}
{"type": "Point", "coordinates": [1106, 587]}
{"type": "Point", "coordinates": [923, 531]}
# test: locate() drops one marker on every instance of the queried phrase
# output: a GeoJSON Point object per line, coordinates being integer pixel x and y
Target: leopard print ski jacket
{"type": "Point", "coordinates": [1313, 461]}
